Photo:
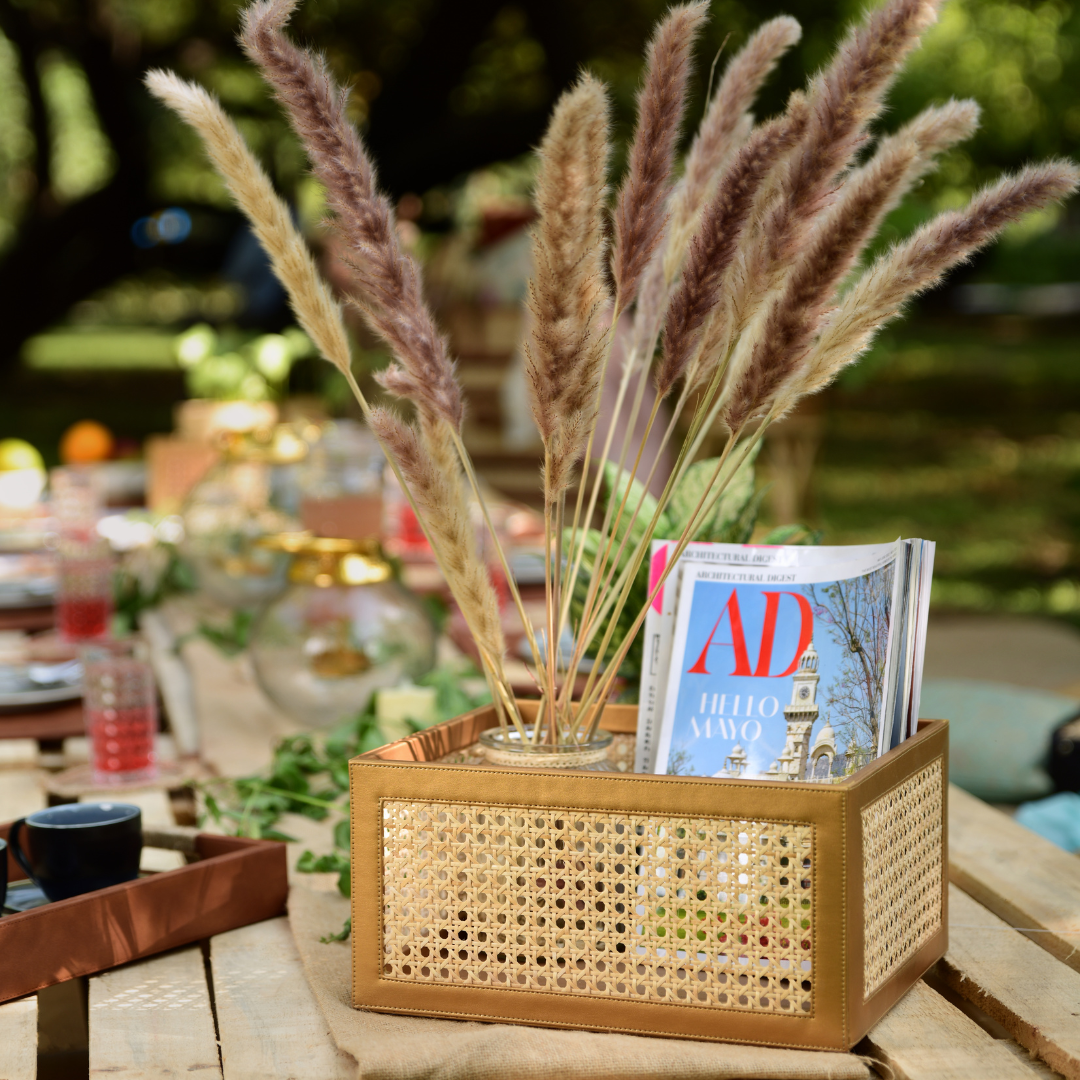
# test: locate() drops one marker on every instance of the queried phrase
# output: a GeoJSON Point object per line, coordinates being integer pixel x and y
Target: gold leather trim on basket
{"type": "Point", "coordinates": [902, 870]}
{"type": "Point", "coordinates": [706, 912]}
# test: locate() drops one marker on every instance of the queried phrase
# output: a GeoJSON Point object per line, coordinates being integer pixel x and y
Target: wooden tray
{"type": "Point", "coordinates": [232, 883]}
{"type": "Point", "coordinates": [52, 722]}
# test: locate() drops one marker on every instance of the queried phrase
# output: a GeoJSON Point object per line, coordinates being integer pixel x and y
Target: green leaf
{"type": "Point", "coordinates": [341, 834]}
{"type": "Point", "coordinates": [737, 495]}
{"type": "Point", "coordinates": [793, 534]}
{"type": "Point", "coordinates": [619, 484]}
{"type": "Point", "coordinates": [341, 935]}
{"type": "Point", "coordinates": [741, 529]}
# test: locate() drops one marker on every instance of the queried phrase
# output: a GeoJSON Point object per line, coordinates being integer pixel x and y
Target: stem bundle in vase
{"type": "Point", "coordinates": [735, 281]}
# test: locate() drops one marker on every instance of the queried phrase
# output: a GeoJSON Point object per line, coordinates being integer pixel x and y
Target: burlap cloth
{"type": "Point", "coordinates": [390, 1047]}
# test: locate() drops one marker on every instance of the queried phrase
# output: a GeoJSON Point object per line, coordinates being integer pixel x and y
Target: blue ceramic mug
{"type": "Point", "coordinates": [79, 847]}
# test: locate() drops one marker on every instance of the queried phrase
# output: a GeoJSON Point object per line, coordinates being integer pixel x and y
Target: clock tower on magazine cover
{"type": "Point", "coordinates": [800, 716]}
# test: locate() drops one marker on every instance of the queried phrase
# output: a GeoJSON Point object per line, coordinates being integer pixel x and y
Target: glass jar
{"type": "Point", "coordinates": [342, 483]}
{"type": "Point", "coordinates": [120, 709]}
{"type": "Point", "coordinates": [583, 755]}
{"type": "Point", "coordinates": [252, 493]}
{"type": "Point", "coordinates": [343, 630]}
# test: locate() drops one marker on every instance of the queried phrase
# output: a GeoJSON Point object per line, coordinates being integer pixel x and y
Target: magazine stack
{"type": "Point", "coordinates": [782, 663]}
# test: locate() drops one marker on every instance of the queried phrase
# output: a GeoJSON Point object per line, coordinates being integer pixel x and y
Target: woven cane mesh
{"type": "Point", "coordinates": [706, 912]}
{"type": "Point", "coordinates": [901, 873]}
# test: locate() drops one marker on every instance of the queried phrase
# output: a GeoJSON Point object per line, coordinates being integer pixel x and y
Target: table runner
{"type": "Point", "coordinates": [388, 1047]}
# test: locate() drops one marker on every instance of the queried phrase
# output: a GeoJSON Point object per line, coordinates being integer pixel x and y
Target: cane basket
{"type": "Point", "coordinates": [779, 913]}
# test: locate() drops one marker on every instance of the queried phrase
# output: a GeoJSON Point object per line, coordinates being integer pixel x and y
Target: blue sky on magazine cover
{"type": "Point", "coordinates": [751, 706]}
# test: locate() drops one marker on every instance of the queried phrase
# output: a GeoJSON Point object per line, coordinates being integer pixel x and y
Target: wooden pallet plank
{"type": "Point", "coordinates": [18, 1039]}
{"type": "Point", "coordinates": [268, 1020]}
{"type": "Point", "coordinates": [925, 1038]}
{"type": "Point", "coordinates": [1035, 998]}
{"type": "Point", "coordinates": [152, 1020]}
{"type": "Point", "coordinates": [19, 754]}
{"type": "Point", "coordinates": [1017, 874]}
{"type": "Point", "coordinates": [21, 793]}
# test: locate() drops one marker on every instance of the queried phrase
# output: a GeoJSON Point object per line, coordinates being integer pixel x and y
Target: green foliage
{"type": "Point", "coordinates": [309, 775]}
{"type": "Point", "coordinates": [143, 581]}
{"type": "Point", "coordinates": [731, 521]}
{"type": "Point", "coordinates": [231, 638]}
{"type": "Point", "coordinates": [225, 367]}
{"type": "Point", "coordinates": [616, 483]}
{"type": "Point", "coordinates": [727, 517]}
{"type": "Point", "coordinates": [341, 935]}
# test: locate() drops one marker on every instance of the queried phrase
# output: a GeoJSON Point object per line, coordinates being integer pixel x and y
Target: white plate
{"type": "Point", "coordinates": [21, 699]}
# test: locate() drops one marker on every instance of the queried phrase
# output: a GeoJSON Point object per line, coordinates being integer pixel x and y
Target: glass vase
{"type": "Point", "coordinates": [252, 493]}
{"type": "Point", "coordinates": [343, 630]}
{"type": "Point", "coordinates": [584, 754]}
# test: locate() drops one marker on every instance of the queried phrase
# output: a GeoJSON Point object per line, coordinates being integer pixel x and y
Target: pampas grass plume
{"type": "Point", "coordinates": [639, 209]}
{"type": "Point", "coordinates": [316, 309]}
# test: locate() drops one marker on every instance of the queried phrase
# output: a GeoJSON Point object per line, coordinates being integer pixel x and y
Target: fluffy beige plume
{"type": "Point", "coordinates": [843, 100]}
{"type": "Point", "coordinates": [919, 263]}
{"type": "Point", "coordinates": [640, 207]}
{"type": "Point", "coordinates": [392, 301]}
{"type": "Point", "coordinates": [917, 144]}
{"type": "Point", "coordinates": [722, 226]}
{"type": "Point", "coordinates": [784, 336]}
{"type": "Point", "coordinates": [729, 314]}
{"type": "Point", "coordinates": [316, 309]}
{"type": "Point", "coordinates": [568, 292]}
{"type": "Point", "coordinates": [448, 526]}
{"type": "Point", "coordinates": [725, 125]}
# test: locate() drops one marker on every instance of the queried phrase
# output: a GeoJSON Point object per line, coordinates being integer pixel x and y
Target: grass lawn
{"type": "Point", "coordinates": [967, 432]}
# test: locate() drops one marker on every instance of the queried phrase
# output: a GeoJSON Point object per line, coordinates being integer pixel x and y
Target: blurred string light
{"type": "Point", "coordinates": [171, 226]}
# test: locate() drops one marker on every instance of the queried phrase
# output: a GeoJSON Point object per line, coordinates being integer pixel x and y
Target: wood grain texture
{"type": "Point", "coordinates": [1018, 875]}
{"type": "Point", "coordinates": [152, 1020]}
{"type": "Point", "coordinates": [925, 1038]}
{"type": "Point", "coordinates": [18, 1039]}
{"type": "Point", "coordinates": [268, 1020]}
{"type": "Point", "coordinates": [19, 754]}
{"type": "Point", "coordinates": [238, 726]}
{"type": "Point", "coordinates": [21, 793]}
{"type": "Point", "coordinates": [1032, 995]}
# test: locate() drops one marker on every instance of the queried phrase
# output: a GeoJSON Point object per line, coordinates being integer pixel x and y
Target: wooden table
{"type": "Point", "coordinates": [1004, 1003]}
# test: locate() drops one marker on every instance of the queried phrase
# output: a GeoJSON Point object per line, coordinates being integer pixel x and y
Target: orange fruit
{"type": "Point", "coordinates": [85, 442]}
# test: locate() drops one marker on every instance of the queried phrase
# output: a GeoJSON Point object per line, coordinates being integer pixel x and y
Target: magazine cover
{"type": "Point", "coordinates": [779, 672]}
{"type": "Point", "coordinates": [659, 627]}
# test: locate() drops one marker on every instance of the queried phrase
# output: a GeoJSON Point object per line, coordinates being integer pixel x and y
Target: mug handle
{"type": "Point", "coordinates": [13, 843]}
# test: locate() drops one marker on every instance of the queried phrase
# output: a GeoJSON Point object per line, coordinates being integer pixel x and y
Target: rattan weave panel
{"type": "Point", "coordinates": [902, 870]}
{"type": "Point", "coordinates": [707, 912]}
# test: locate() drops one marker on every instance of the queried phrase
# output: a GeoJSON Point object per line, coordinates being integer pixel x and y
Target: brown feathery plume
{"type": "Point", "coordinates": [930, 133]}
{"type": "Point", "coordinates": [723, 130]}
{"type": "Point", "coordinates": [567, 294]}
{"type": "Point", "coordinates": [787, 329]}
{"type": "Point", "coordinates": [720, 127]}
{"type": "Point", "coordinates": [316, 309]}
{"type": "Point", "coordinates": [639, 208]}
{"type": "Point", "coordinates": [727, 315]}
{"type": "Point", "coordinates": [867, 195]}
{"type": "Point", "coordinates": [393, 302]}
{"type": "Point", "coordinates": [449, 528]}
{"type": "Point", "coordinates": [843, 100]}
{"type": "Point", "coordinates": [919, 263]}
{"type": "Point", "coordinates": [714, 246]}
